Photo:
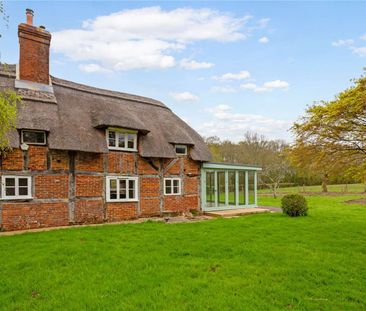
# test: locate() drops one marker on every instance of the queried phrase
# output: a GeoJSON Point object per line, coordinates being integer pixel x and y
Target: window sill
{"type": "Point", "coordinates": [122, 149]}
{"type": "Point", "coordinates": [123, 201]}
{"type": "Point", "coordinates": [172, 194]}
{"type": "Point", "coordinates": [16, 199]}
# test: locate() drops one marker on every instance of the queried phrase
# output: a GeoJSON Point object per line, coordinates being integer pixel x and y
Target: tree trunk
{"type": "Point", "coordinates": [325, 183]}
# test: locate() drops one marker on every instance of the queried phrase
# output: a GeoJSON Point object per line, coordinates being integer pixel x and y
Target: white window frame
{"type": "Point", "coordinates": [122, 132]}
{"type": "Point", "coordinates": [181, 146]}
{"type": "Point", "coordinates": [118, 178]}
{"type": "Point", "coordinates": [172, 179]}
{"type": "Point", "coordinates": [16, 185]}
{"type": "Point", "coordinates": [36, 131]}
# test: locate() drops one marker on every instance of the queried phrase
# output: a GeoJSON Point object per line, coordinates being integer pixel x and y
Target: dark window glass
{"type": "Point", "coordinates": [10, 191]}
{"type": "Point", "coordinates": [23, 190]}
{"type": "Point", "coordinates": [176, 186]}
{"type": "Point", "coordinates": [122, 189]}
{"type": "Point", "coordinates": [113, 189]}
{"type": "Point", "coordinates": [23, 182]}
{"type": "Point", "coordinates": [131, 141]}
{"type": "Point", "coordinates": [10, 182]}
{"type": "Point", "coordinates": [34, 137]}
{"type": "Point", "coordinates": [181, 149]}
{"type": "Point", "coordinates": [112, 139]}
{"type": "Point", "coordinates": [121, 140]}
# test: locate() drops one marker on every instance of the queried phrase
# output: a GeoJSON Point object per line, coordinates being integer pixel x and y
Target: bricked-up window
{"type": "Point", "coordinates": [122, 189]}
{"type": "Point", "coordinates": [122, 139]}
{"type": "Point", "coordinates": [31, 137]}
{"type": "Point", "coordinates": [172, 186]}
{"type": "Point", "coordinates": [16, 187]}
{"type": "Point", "coordinates": [181, 149]}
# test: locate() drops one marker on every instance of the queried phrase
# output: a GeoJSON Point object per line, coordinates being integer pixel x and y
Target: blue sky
{"type": "Point", "coordinates": [224, 67]}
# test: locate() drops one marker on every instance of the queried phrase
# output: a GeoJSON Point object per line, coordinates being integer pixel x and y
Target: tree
{"type": "Point", "coordinates": [8, 102]}
{"type": "Point", "coordinates": [331, 137]}
{"type": "Point", "coordinates": [257, 150]}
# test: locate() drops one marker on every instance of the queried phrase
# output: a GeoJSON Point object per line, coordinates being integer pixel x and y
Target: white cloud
{"type": "Point", "coordinates": [249, 86]}
{"type": "Point", "coordinates": [91, 68]}
{"type": "Point", "coordinates": [263, 40]}
{"type": "Point", "coordinates": [194, 65]}
{"type": "Point", "coordinates": [242, 75]}
{"type": "Point", "coordinates": [363, 37]}
{"type": "Point", "coordinates": [146, 38]}
{"type": "Point", "coordinates": [360, 51]}
{"type": "Point", "coordinates": [184, 96]}
{"type": "Point", "coordinates": [347, 42]}
{"type": "Point", "coordinates": [276, 84]}
{"type": "Point", "coordinates": [230, 125]}
{"type": "Point", "coordinates": [223, 89]}
{"type": "Point", "coordinates": [263, 23]}
{"type": "Point", "coordinates": [267, 86]}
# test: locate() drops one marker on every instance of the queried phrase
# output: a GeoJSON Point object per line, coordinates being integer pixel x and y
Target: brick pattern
{"type": "Point", "coordinates": [59, 160]}
{"type": "Point", "coordinates": [121, 211]}
{"type": "Point", "coordinates": [150, 206]}
{"type": "Point", "coordinates": [121, 162]}
{"type": "Point", "coordinates": [18, 216]}
{"type": "Point", "coordinates": [89, 162]}
{"type": "Point", "coordinates": [37, 158]}
{"type": "Point", "coordinates": [181, 203]}
{"type": "Point", "coordinates": [13, 161]}
{"type": "Point", "coordinates": [52, 178]}
{"type": "Point", "coordinates": [89, 212]}
{"type": "Point", "coordinates": [89, 186]}
{"type": "Point", "coordinates": [51, 186]}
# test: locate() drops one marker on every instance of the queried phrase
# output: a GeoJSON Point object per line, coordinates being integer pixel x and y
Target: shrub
{"type": "Point", "coordinates": [294, 205]}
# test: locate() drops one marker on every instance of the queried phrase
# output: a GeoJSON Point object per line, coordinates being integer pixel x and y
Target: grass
{"type": "Point", "coordinates": [257, 262]}
{"type": "Point", "coordinates": [350, 188]}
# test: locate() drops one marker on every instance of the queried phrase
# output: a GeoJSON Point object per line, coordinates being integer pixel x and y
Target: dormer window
{"type": "Point", "coordinates": [119, 139]}
{"type": "Point", "coordinates": [181, 150]}
{"type": "Point", "coordinates": [32, 137]}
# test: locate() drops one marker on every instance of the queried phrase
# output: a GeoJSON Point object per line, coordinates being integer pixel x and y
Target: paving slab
{"type": "Point", "coordinates": [237, 212]}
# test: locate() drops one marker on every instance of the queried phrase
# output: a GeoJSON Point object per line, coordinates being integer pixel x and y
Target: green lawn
{"type": "Point", "coordinates": [351, 188]}
{"type": "Point", "coordinates": [257, 262]}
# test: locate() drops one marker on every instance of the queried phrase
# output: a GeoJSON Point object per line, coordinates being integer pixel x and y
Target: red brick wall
{"type": "Point", "coordinates": [13, 161]}
{"type": "Point", "coordinates": [28, 215]}
{"type": "Point", "coordinates": [53, 198]}
{"type": "Point", "coordinates": [51, 186]}
{"type": "Point", "coordinates": [121, 162]}
{"type": "Point", "coordinates": [121, 211]}
{"type": "Point", "coordinates": [89, 162]}
{"type": "Point", "coordinates": [59, 160]}
{"type": "Point", "coordinates": [34, 53]}
{"type": "Point", "coordinates": [89, 186]}
{"type": "Point", "coordinates": [89, 211]}
{"type": "Point", "coordinates": [37, 158]}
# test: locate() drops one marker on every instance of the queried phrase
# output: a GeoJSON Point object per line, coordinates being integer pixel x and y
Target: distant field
{"type": "Point", "coordinates": [351, 188]}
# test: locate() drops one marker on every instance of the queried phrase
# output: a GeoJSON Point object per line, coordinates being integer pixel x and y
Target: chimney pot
{"type": "Point", "coordinates": [29, 13]}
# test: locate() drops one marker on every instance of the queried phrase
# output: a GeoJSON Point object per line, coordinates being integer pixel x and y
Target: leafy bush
{"type": "Point", "coordinates": [294, 205]}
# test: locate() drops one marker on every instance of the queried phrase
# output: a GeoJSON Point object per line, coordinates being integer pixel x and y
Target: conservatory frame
{"type": "Point", "coordinates": [228, 186]}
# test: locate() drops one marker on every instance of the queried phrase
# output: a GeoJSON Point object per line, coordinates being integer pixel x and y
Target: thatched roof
{"type": "Point", "coordinates": [76, 116]}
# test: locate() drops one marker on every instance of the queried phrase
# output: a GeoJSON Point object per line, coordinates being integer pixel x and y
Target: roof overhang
{"type": "Point", "coordinates": [229, 166]}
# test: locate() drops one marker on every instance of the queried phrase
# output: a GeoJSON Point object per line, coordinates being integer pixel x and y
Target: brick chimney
{"type": "Point", "coordinates": [34, 44]}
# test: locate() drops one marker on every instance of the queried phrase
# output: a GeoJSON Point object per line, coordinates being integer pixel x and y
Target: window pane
{"type": "Point", "coordinates": [168, 190]}
{"type": "Point", "coordinates": [232, 192]}
{"type": "Point", "coordinates": [241, 188]}
{"type": "Point", "coordinates": [176, 182]}
{"type": "Point", "coordinates": [23, 191]}
{"type": "Point", "coordinates": [131, 141]}
{"type": "Point", "coordinates": [112, 139]}
{"type": "Point", "coordinates": [168, 183]}
{"type": "Point", "coordinates": [34, 137]}
{"type": "Point", "coordinates": [121, 140]}
{"type": "Point", "coordinates": [23, 182]}
{"type": "Point", "coordinates": [10, 191]}
{"type": "Point", "coordinates": [181, 149]}
{"type": "Point", "coordinates": [251, 187]}
{"type": "Point", "coordinates": [122, 189]}
{"type": "Point", "coordinates": [176, 189]}
{"type": "Point", "coordinates": [113, 189]}
{"type": "Point", "coordinates": [9, 182]}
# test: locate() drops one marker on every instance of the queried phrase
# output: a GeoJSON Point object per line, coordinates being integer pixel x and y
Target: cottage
{"type": "Point", "coordinates": [87, 155]}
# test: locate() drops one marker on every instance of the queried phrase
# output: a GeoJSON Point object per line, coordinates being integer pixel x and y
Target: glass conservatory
{"type": "Point", "coordinates": [228, 186]}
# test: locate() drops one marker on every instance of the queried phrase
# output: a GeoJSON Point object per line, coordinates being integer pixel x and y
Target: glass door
{"type": "Point", "coordinates": [221, 188]}
{"type": "Point", "coordinates": [210, 189]}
